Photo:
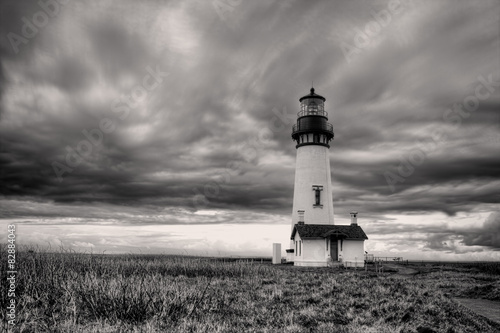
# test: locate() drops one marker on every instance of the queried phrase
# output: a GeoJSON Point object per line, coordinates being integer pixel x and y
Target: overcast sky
{"type": "Point", "coordinates": [164, 126]}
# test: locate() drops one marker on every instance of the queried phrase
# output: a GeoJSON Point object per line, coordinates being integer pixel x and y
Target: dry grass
{"type": "Point", "coordinates": [467, 280]}
{"type": "Point", "coordinates": [62, 292]}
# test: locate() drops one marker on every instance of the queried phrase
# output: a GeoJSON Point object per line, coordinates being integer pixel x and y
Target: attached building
{"type": "Point", "coordinates": [326, 245]}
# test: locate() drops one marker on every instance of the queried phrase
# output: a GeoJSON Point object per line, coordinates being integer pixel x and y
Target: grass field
{"type": "Point", "coordinates": [73, 292]}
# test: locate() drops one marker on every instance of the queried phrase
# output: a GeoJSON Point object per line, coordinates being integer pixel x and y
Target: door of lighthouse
{"type": "Point", "coordinates": [334, 249]}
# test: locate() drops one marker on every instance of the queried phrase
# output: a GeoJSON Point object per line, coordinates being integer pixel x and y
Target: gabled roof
{"type": "Point", "coordinates": [325, 230]}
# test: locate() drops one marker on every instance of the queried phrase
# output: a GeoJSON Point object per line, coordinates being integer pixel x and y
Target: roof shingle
{"type": "Point", "coordinates": [324, 230]}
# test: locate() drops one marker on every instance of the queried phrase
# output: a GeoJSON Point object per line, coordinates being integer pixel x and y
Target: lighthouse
{"type": "Point", "coordinates": [312, 194]}
{"type": "Point", "coordinates": [315, 239]}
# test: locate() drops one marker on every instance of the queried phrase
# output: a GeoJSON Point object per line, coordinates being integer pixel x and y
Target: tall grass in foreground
{"type": "Point", "coordinates": [102, 293]}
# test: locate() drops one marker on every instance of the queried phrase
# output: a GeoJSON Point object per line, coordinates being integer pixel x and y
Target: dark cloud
{"type": "Point", "coordinates": [488, 235]}
{"type": "Point", "coordinates": [457, 239]}
{"type": "Point", "coordinates": [215, 131]}
{"type": "Point", "coordinates": [448, 243]}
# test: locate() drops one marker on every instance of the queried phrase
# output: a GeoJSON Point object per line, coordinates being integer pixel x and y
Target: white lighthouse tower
{"type": "Point", "coordinates": [313, 184]}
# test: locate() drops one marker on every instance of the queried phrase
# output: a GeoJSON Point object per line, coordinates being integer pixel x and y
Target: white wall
{"type": "Point", "coordinates": [353, 252]}
{"type": "Point", "coordinates": [312, 168]}
{"type": "Point", "coordinates": [313, 253]}
{"type": "Point", "coordinates": [315, 249]}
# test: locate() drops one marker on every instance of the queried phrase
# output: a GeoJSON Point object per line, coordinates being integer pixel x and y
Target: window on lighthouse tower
{"type": "Point", "coordinates": [317, 195]}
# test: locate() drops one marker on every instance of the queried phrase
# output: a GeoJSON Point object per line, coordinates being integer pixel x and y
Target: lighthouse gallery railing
{"type": "Point", "coordinates": [310, 127]}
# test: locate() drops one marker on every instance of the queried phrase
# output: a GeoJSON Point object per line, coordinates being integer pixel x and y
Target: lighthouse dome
{"type": "Point", "coordinates": [312, 95]}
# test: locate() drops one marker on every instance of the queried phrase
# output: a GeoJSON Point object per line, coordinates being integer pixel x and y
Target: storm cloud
{"type": "Point", "coordinates": [148, 112]}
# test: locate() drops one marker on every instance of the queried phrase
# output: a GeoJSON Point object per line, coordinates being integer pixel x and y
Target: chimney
{"type": "Point", "coordinates": [354, 218]}
{"type": "Point", "coordinates": [301, 216]}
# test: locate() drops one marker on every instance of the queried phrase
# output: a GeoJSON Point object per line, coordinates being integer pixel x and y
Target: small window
{"type": "Point", "coordinates": [317, 195]}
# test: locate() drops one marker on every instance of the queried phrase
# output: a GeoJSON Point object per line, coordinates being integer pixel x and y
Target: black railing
{"type": "Point", "coordinates": [324, 126]}
{"type": "Point", "coordinates": [386, 259]}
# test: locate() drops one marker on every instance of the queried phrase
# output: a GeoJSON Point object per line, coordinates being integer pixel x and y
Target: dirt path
{"type": "Point", "coordinates": [483, 307]}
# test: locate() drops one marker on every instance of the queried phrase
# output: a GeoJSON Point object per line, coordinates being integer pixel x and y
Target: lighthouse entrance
{"type": "Point", "coordinates": [334, 249]}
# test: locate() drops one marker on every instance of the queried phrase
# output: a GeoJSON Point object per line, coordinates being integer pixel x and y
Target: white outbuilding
{"type": "Point", "coordinates": [324, 245]}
